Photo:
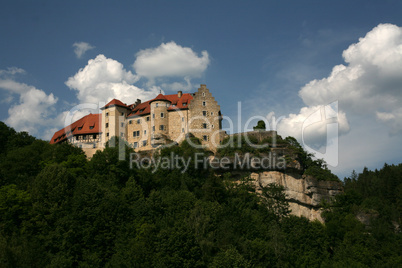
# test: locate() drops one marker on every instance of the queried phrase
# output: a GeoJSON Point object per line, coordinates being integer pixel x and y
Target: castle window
{"type": "Point", "coordinates": [135, 144]}
{"type": "Point", "coordinates": [122, 134]}
{"type": "Point", "coordinates": [153, 128]}
{"type": "Point", "coordinates": [107, 124]}
{"type": "Point", "coordinates": [107, 114]}
{"type": "Point", "coordinates": [156, 104]}
{"type": "Point", "coordinates": [122, 114]}
{"type": "Point", "coordinates": [107, 134]}
{"type": "Point", "coordinates": [182, 130]}
{"type": "Point", "coordinates": [94, 136]}
{"type": "Point", "coordinates": [204, 103]}
{"type": "Point", "coordinates": [145, 132]}
{"type": "Point", "coordinates": [130, 122]}
{"type": "Point", "coordinates": [136, 133]}
{"type": "Point", "coordinates": [84, 137]}
{"type": "Point", "coordinates": [147, 118]}
{"type": "Point", "coordinates": [204, 125]}
{"type": "Point", "coordinates": [182, 119]}
{"type": "Point", "coordinates": [94, 146]}
{"type": "Point", "coordinates": [204, 113]}
{"type": "Point", "coordinates": [153, 115]}
{"type": "Point", "coordinates": [167, 104]}
{"type": "Point", "coordinates": [161, 127]}
{"type": "Point", "coordinates": [203, 94]}
{"type": "Point", "coordinates": [138, 121]}
{"type": "Point", "coordinates": [212, 113]}
{"type": "Point", "coordinates": [122, 124]}
{"type": "Point", "coordinates": [212, 126]}
{"type": "Point", "coordinates": [144, 143]}
{"type": "Point", "coordinates": [76, 138]}
{"type": "Point", "coordinates": [162, 115]}
{"type": "Point", "coordinates": [205, 137]}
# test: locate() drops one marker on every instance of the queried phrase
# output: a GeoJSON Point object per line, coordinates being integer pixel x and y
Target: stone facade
{"type": "Point", "coordinates": [163, 120]}
{"type": "Point", "coordinates": [304, 193]}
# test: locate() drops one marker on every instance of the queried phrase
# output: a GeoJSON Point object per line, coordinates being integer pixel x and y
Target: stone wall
{"type": "Point", "coordinates": [205, 118]}
{"type": "Point", "coordinates": [304, 193]}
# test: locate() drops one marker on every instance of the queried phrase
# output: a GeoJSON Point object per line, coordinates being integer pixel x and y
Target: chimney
{"type": "Point", "coordinates": [179, 93]}
{"type": "Point", "coordinates": [138, 101]}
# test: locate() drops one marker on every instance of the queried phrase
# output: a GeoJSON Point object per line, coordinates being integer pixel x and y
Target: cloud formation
{"type": "Point", "coordinates": [80, 48]}
{"type": "Point", "coordinates": [104, 79]}
{"type": "Point", "coordinates": [34, 111]}
{"type": "Point", "coordinates": [170, 60]}
{"type": "Point", "coordinates": [368, 88]}
{"type": "Point", "coordinates": [371, 81]}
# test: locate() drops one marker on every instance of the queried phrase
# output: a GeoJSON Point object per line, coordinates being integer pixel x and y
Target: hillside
{"type": "Point", "coordinates": [59, 209]}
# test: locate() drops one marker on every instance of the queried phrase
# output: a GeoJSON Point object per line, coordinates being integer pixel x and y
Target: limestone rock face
{"type": "Point", "coordinates": [304, 193]}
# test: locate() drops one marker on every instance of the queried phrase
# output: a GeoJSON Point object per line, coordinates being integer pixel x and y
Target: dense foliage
{"type": "Point", "coordinates": [59, 209]}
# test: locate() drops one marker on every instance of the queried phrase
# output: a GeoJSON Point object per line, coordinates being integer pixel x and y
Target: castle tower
{"type": "Point", "coordinates": [114, 120]}
{"type": "Point", "coordinates": [205, 118]}
{"type": "Point", "coordinates": [159, 120]}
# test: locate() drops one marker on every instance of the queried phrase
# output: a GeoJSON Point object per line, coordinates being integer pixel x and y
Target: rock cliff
{"type": "Point", "coordinates": [304, 193]}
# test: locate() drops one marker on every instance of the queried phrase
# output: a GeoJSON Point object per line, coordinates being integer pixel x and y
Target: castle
{"type": "Point", "coordinates": [148, 125]}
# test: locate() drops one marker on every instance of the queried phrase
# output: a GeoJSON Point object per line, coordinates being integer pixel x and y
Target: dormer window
{"type": "Point", "coordinates": [79, 128]}
{"type": "Point", "coordinates": [185, 104]}
{"type": "Point", "coordinates": [91, 127]}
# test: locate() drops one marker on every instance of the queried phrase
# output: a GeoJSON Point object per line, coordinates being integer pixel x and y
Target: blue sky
{"type": "Point", "coordinates": [264, 54]}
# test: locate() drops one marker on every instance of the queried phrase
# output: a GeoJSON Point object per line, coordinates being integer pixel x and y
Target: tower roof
{"type": "Point", "coordinates": [115, 102]}
{"type": "Point", "coordinates": [160, 97]}
{"type": "Point", "coordinates": [177, 102]}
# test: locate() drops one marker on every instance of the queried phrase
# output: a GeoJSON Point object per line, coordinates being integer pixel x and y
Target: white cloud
{"type": "Point", "coordinates": [176, 86]}
{"type": "Point", "coordinates": [170, 60]}
{"type": "Point", "coordinates": [35, 110]}
{"type": "Point", "coordinates": [103, 79]}
{"type": "Point", "coordinates": [371, 82]}
{"type": "Point", "coordinates": [12, 71]}
{"type": "Point", "coordinates": [80, 48]}
{"type": "Point", "coordinates": [368, 88]}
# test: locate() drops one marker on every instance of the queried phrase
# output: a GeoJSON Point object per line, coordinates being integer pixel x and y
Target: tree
{"type": "Point", "coordinates": [274, 198]}
{"type": "Point", "coordinates": [260, 125]}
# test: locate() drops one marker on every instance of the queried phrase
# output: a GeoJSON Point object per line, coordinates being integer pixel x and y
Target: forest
{"type": "Point", "coordinates": [60, 209]}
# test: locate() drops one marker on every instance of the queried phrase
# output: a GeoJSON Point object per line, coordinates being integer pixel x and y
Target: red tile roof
{"type": "Point", "coordinates": [176, 103]}
{"type": "Point", "coordinates": [89, 124]}
{"type": "Point", "coordinates": [115, 102]}
{"type": "Point", "coordinates": [160, 97]}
